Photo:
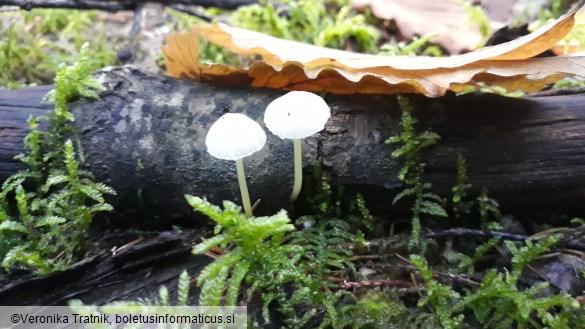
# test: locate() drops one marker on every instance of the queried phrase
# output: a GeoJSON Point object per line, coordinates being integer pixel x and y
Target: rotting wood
{"type": "Point", "coordinates": [145, 138]}
{"type": "Point", "coordinates": [108, 274]}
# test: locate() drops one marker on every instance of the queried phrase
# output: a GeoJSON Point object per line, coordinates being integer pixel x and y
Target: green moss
{"type": "Point", "coordinates": [33, 44]}
{"type": "Point", "coordinates": [46, 209]}
{"type": "Point", "coordinates": [418, 46]}
{"type": "Point", "coordinates": [410, 146]}
{"type": "Point", "coordinates": [257, 256]}
{"type": "Point", "coordinates": [322, 23]}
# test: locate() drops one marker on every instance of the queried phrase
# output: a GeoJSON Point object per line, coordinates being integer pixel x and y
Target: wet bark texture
{"type": "Point", "coordinates": [16, 106]}
{"type": "Point", "coordinates": [110, 274]}
{"type": "Point", "coordinates": [145, 137]}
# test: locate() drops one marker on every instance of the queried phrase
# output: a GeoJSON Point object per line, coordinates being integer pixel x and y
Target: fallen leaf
{"type": "Point", "coordinates": [184, 62]}
{"type": "Point", "coordinates": [418, 17]}
{"type": "Point", "coordinates": [536, 74]}
{"type": "Point", "coordinates": [291, 65]}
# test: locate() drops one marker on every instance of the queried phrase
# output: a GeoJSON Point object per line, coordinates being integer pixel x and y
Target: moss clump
{"type": "Point", "coordinates": [46, 209]}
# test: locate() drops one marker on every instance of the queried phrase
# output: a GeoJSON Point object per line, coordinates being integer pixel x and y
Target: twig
{"type": "Point", "coordinates": [113, 6]}
{"type": "Point", "coordinates": [69, 4]}
{"type": "Point", "coordinates": [558, 92]}
{"type": "Point", "coordinates": [375, 283]}
{"type": "Point", "coordinates": [565, 243]}
{"type": "Point", "coordinates": [461, 278]}
{"type": "Point", "coordinates": [369, 257]}
{"type": "Point", "coordinates": [476, 233]}
{"type": "Point", "coordinates": [194, 13]}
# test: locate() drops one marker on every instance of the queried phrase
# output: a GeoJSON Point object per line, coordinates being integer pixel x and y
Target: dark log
{"type": "Point", "coordinates": [129, 273]}
{"type": "Point", "coordinates": [15, 108]}
{"type": "Point", "coordinates": [145, 138]}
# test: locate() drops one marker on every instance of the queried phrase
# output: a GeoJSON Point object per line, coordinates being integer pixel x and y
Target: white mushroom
{"type": "Point", "coordinates": [297, 115]}
{"type": "Point", "coordinates": [234, 136]}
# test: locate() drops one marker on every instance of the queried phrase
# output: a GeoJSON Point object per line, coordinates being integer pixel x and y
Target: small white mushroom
{"type": "Point", "coordinates": [234, 136]}
{"type": "Point", "coordinates": [297, 115]}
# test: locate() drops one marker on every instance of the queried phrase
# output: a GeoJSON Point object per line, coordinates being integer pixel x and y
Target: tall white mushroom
{"type": "Point", "coordinates": [297, 115]}
{"type": "Point", "coordinates": [234, 136]}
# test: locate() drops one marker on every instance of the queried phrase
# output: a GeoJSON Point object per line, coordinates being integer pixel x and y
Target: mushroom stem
{"type": "Point", "coordinates": [244, 187]}
{"type": "Point", "coordinates": [298, 170]}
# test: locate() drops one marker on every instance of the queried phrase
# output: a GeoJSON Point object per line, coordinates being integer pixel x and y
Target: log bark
{"type": "Point", "coordinates": [15, 108]}
{"type": "Point", "coordinates": [145, 137]}
{"type": "Point", "coordinates": [107, 275]}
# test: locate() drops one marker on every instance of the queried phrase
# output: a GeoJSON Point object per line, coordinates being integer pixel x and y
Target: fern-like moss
{"type": "Point", "coordinates": [461, 206]}
{"type": "Point", "coordinates": [46, 209]}
{"type": "Point", "coordinates": [252, 248]}
{"type": "Point", "coordinates": [489, 210]}
{"type": "Point", "coordinates": [410, 146]}
{"type": "Point", "coordinates": [498, 302]}
{"type": "Point", "coordinates": [287, 276]}
{"type": "Point", "coordinates": [439, 296]}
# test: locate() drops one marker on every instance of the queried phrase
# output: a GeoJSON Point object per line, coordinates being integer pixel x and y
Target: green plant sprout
{"type": "Point", "coordinates": [489, 210]}
{"type": "Point", "coordinates": [438, 295]}
{"type": "Point", "coordinates": [411, 143]}
{"type": "Point", "coordinates": [310, 22]}
{"type": "Point", "coordinates": [418, 46]}
{"type": "Point", "coordinates": [365, 213]}
{"type": "Point", "coordinates": [256, 241]}
{"type": "Point", "coordinates": [498, 302]}
{"type": "Point", "coordinates": [477, 15]}
{"type": "Point", "coordinates": [465, 264]}
{"type": "Point", "coordinates": [55, 200]}
{"type": "Point", "coordinates": [461, 207]}
{"type": "Point", "coordinates": [485, 88]}
{"type": "Point", "coordinates": [267, 254]}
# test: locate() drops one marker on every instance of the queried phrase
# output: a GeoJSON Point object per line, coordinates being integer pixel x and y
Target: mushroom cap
{"type": "Point", "coordinates": [298, 114]}
{"type": "Point", "coordinates": [234, 136]}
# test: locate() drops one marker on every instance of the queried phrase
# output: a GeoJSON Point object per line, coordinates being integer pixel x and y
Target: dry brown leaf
{"type": "Point", "coordinates": [184, 61]}
{"type": "Point", "coordinates": [295, 66]}
{"type": "Point", "coordinates": [536, 73]}
{"type": "Point", "coordinates": [418, 17]}
{"type": "Point", "coordinates": [279, 51]}
{"type": "Point", "coordinates": [446, 18]}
